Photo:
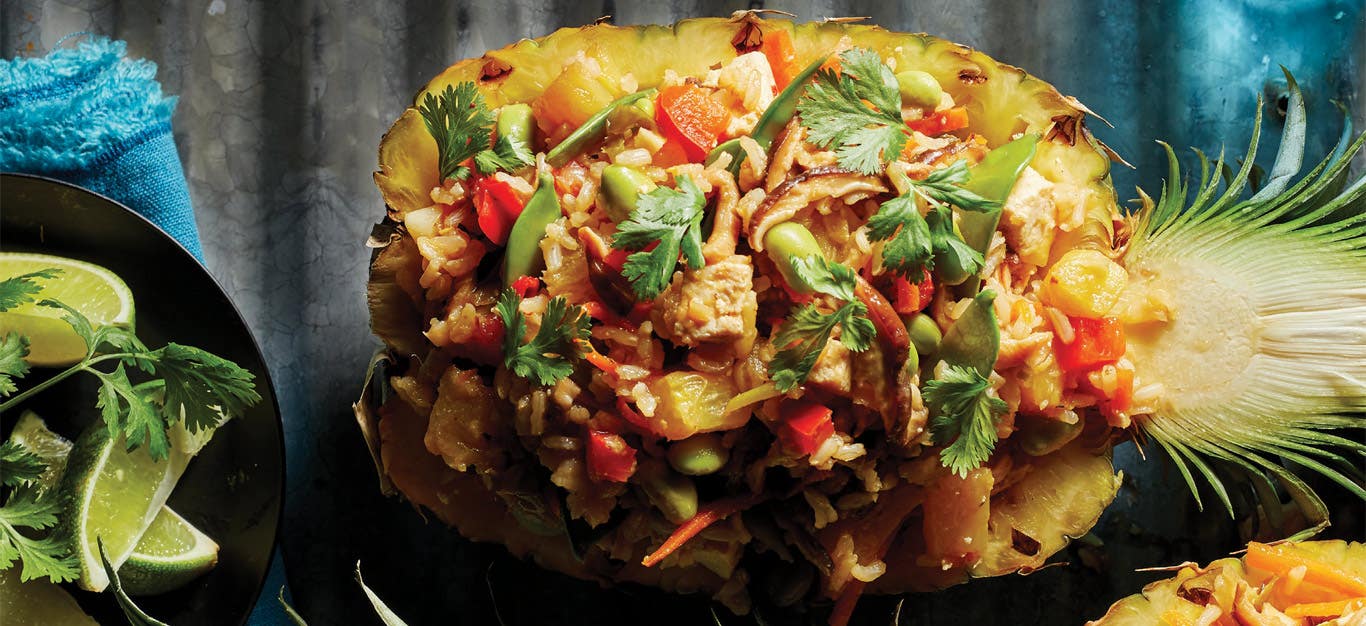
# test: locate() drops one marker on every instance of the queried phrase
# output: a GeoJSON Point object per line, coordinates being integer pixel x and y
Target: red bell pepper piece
{"type": "Point", "coordinates": [497, 206]}
{"type": "Point", "coordinates": [485, 343]}
{"type": "Point", "coordinates": [691, 116]}
{"type": "Point", "coordinates": [942, 122]}
{"type": "Point", "coordinates": [806, 425]}
{"type": "Point", "coordinates": [526, 286]}
{"type": "Point", "coordinates": [782, 57]}
{"type": "Point", "coordinates": [610, 457]}
{"type": "Point", "coordinates": [912, 298]}
{"type": "Point", "coordinates": [1095, 342]}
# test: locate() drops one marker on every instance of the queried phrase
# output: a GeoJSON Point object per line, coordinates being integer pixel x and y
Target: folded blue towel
{"type": "Point", "coordinates": [88, 115]}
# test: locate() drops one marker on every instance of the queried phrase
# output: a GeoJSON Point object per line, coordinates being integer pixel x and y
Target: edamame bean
{"type": "Point", "coordinates": [925, 334]}
{"type": "Point", "coordinates": [919, 89]}
{"type": "Point", "coordinates": [699, 455]}
{"type": "Point", "coordinates": [620, 190]}
{"type": "Point", "coordinates": [674, 495]}
{"type": "Point", "coordinates": [788, 241]}
{"type": "Point", "coordinates": [515, 122]}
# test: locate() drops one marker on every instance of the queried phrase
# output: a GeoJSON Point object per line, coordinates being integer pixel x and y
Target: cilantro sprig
{"type": "Point", "coordinates": [27, 513]}
{"type": "Point", "coordinates": [805, 333]}
{"type": "Point", "coordinates": [671, 217]}
{"type": "Point", "coordinates": [550, 355]}
{"type": "Point", "coordinates": [913, 241]}
{"type": "Point", "coordinates": [194, 385]}
{"type": "Point", "coordinates": [856, 111]}
{"type": "Point", "coordinates": [462, 125]}
{"type": "Point", "coordinates": [964, 417]}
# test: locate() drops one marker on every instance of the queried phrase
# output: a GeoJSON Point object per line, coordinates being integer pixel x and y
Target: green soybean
{"type": "Point", "coordinates": [523, 256]}
{"type": "Point", "coordinates": [919, 89]}
{"type": "Point", "coordinates": [674, 495]}
{"type": "Point", "coordinates": [699, 455]}
{"type": "Point", "coordinates": [620, 190]}
{"type": "Point", "coordinates": [515, 122]}
{"type": "Point", "coordinates": [925, 333]}
{"type": "Point", "coordinates": [591, 131]}
{"type": "Point", "coordinates": [786, 242]}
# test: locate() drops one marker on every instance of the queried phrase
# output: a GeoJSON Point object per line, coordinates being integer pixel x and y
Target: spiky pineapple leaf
{"type": "Point", "coordinates": [1266, 353]}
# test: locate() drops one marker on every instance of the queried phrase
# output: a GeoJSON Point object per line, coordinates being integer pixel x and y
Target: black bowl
{"type": "Point", "coordinates": [234, 489]}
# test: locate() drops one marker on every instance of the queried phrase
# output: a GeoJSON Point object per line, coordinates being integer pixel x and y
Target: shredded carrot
{"type": "Point", "coordinates": [1280, 559]}
{"type": "Point", "coordinates": [1172, 618]}
{"type": "Point", "coordinates": [708, 515]}
{"type": "Point", "coordinates": [598, 359]}
{"type": "Point", "coordinates": [844, 605]}
{"type": "Point", "coordinates": [633, 418]}
{"type": "Point", "coordinates": [1325, 609]}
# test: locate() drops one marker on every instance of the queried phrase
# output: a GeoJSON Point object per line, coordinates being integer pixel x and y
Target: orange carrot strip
{"type": "Point", "coordinates": [844, 605]}
{"type": "Point", "coordinates": [598, 359]}
{"type": "Point", "coordinates": [1280, 560]}
{"type": "Point", "coordinates": [1325, 609]}
{"type": "Point", "coordinates": [710, 514]}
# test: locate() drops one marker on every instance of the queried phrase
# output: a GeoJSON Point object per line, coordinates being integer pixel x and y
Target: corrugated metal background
{"type": "Point", "coordinates": [282, 106]}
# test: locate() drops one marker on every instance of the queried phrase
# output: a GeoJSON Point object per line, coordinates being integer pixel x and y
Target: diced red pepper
{"type": "Point", "coordinates": [610, 457]}
{"type": "Point", "coordinates": [782, 57]}
{"type": "Point", "coordinates": [497, 206]}
{"type": "Point", "coordinates": [1095, 342]}
{"type": "Point", "coordinates": [806, 425]}
{"type": "Point", "coordinates": [941, 122]}
{"type": "Point", "coordinates": [693, 117]}
{"type": "Point", "coordinates": [912, 298]}
{"type": "Point", "coordinates": [526, 286]}
{"type": "Point", "coordinates": [485, 343]}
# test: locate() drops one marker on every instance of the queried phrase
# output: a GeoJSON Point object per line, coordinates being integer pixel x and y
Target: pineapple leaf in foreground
{"type": "Point", "coordinates": [1269, 294]}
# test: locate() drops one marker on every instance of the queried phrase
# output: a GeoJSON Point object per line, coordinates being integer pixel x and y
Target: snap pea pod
{"type": "Point", "coordinates": [993, 178]}
{"type": "Point", "coordinates": [591, 131]}
{"type": "Point", "coordinates": [523, 251]}
{"type": "Point", "coordinates": [773, 120]}
{"type": "Point", "coordinates": [974, 339]}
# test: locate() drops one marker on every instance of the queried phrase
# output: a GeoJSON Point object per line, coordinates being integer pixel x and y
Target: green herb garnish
{"type": "Point", "coordinates": [26, 512]}
{"type": "Point", "coordinates": [856, 111]}
{"type": "Point", "coordinates": [914, 241]}
{"type": "Point", "coordinates": [462, 125]}
{"type": "Point", "coordinates": [550, 355]}
{"type": "Point", "coordinates": [507, 154]}
{"type": "Point", "coordinates": [810, 330]}
{"type": "Point", "coordinates": [671, 217]}
{"type": "Point", "coordinates": [964, 417]}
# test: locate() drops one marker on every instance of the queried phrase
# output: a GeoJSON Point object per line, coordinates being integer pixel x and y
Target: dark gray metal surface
{"type": "Point", "coordinates": [283, 104]}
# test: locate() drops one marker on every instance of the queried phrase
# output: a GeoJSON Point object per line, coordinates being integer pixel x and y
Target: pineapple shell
{"type": "Point", "coordinates": [1002, 101]}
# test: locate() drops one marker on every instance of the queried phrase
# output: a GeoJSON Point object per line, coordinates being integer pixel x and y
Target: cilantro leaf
{"type": "Point", "coordinates": [25, 509]}
{"type": "Point", "coordinates": [13, 349]}
{"type": "Point", "coordinates": [949, 248]}
{"type": "Point", "coordinates": [945, 185]}
{"type": "Point", "coordinates": [18, 465]}
{"type": "Point", "coordinates": [461, 123]}
{"type": "Point", "coordinates": [805, 333]}
{"type": "Point", "coordinates": [506, 154]}
{"type": "Point", "coordinates": [836, 110]}
{"type": "Point", "coordinates": [18, 290]}
{"type": "Point", "coordinates": [128, 411]}
{"type": "Point", "coordinates": [671, 217]}
{"type": "Point", "coordinates": [550, 355]}
{"type": "Point", "coordinates": [964, 417]}
{"type": "Point", "coordinates": [202, 387]}
{"type": "Point", "coordinates": [909, 249]}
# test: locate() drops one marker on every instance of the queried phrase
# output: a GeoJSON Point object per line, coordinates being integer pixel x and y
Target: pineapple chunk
{"type": "Point", "coordinates": [581, 90]}
{"type": "Point", "coordinates": [693, 402]}
{"type": "Point", "coordinates": [1084, 283]}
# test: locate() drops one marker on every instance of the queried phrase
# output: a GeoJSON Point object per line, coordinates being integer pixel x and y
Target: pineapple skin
{"type": "Point", "coordinates": [1003, 101]}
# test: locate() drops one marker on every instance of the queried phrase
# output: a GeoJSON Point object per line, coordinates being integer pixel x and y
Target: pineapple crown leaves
{"type": "Point", "coordinates": [1300, 248]}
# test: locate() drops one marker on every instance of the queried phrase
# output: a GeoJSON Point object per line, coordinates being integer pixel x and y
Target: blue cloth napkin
{"type": "Point", "coordinates": [89, 115]}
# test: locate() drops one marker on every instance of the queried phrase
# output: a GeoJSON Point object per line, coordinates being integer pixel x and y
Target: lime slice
{"type": "Point", "coordinates": [171, 553]}
{"type": "Point", "coordinates": [37, 602]}
{"type": "Point", "coordinates": [32, 433]}
{"type": "Point", "coordinates": [114, 494]}
{"type": "Point", "coordinates": [96, 292]}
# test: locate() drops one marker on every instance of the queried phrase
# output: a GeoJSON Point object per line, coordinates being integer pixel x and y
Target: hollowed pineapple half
{"type": "Point", "coordinates": [1291, 584]}
{"type": "Point", "coordinates": [570, 74]}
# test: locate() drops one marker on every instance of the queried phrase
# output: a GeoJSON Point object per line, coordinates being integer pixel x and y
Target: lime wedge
{"type": "Point", "coordinates": [96, 292]}
{"type": "Point", "coordinates": [171, 553]}
{"type": "Point", "coordinates": [37, 602]}
{"type": "Point", "coordinates": [32, 433]}
{"type": "Point", "coordinates": [114, 494]}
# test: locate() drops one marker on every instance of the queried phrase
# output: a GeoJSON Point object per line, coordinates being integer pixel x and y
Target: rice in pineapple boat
{"type": "Point", "coordinates": [860, 299]}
